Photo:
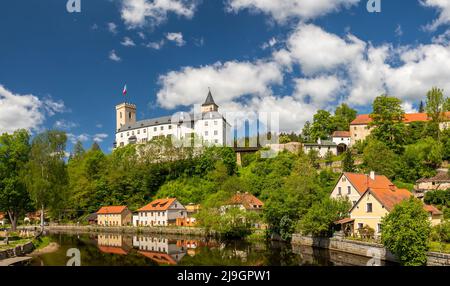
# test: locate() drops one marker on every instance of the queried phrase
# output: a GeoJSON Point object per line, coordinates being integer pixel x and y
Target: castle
{"type": "Point", "coordinates": [209, 126]}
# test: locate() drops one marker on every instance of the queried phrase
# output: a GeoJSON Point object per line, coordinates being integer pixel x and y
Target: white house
{"type": "Point", "coordinates": [209, 126]}
{"type": "Point", "coordinates": [353, 186]}
{"type": "Point", "coordinates": [161, 212]}
{"type": "Point", "coordinates": [342, 139]}
{"type": "Point", "coordinates": [322, 147]}
{"type": "Point", "coordinates": [159, 249]}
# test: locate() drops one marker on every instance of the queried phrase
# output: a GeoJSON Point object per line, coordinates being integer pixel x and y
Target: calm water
{"type": "Point", "coordinates": [153, 250]}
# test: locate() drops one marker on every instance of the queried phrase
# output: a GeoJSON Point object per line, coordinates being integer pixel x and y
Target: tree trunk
{"type": "Point", "coordinates": [42, 217]}
{"type": "Point", "coordinates": [13, 219]}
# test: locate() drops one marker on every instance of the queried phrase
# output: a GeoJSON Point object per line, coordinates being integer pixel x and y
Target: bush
{"type": "Point", "coordinates": [441, 232]}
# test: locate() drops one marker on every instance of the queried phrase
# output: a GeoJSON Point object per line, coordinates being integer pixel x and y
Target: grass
{"type": "Point", "coordinates": [41, 242]}
{"type": "Point", "coordinates": [13, 243]}
{"type": "Point", "coordinates": [257, 235]}
{"type": "Point", "coordinates": [440, 247]}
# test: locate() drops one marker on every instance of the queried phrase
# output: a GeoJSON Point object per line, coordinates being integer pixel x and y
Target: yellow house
{"type": "Point", "coordinates": [114, 216]}
{"type": "Point", "coordinates": [374, 204]}
{"type": "Point", "coordinates": [354, 185]}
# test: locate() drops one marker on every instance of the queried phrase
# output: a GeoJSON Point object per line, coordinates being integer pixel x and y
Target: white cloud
{"type": "Point", "coordinates": [283, 10]}
{"type": "Point", "coordinates": [84, 137]}
{"type": "Point", "coordinates": [269, 44]}
{"type": "Point", "coordinates": [229, 80]}
{"type": "Point", "coordinates": [99, 137]}
{"type": "Point", "coordinates": [317, 50]}
{"type": "Point", "coordinates": [141, 35]}
{"type": "Point", "coordinates": [177, 38]}
{"type": "Point", "coordinates": [127, 42]}
{"type": "Point", "coordinates": [65, 124]}
{"type": "Point", "coordinates": [138, 13]}
{"type": "Point", "coordinates": [114, 57]}
{"type": "Point", "coordinates": [156, 45]}
{"type": "Point", "coordinates": [319, 90]}
{"type": "Point", "coordinates": [444, 12]}
{"type": "Point", "coordinates": [24, 111]}
{"type": "Point", "coordinates": [112, 27]}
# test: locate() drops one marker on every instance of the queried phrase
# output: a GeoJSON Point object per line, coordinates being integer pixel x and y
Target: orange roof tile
{"type": "Point", "coordinates": [158, 205]}
{"type": "Point", "coordinates": [390, 197]}
{"type": "Point", "coordinates": [432, 209]}
{"type": "Point", "coordinates": [362, 182]}
{"type": "Point", "coordinates": [111, 210]}
{"type": "Point", "coordinates": [341, 134]}
{"type": "Point", "coordinates": [249, 201]}
{"type": "Point", "coordinates": [364, 119]}
{"type": "Point", "coordinates": [160, 258]}
{"type": "Point", "coordinates": [112, 250]}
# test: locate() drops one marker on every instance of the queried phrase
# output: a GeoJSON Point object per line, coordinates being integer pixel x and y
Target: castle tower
{"type": "Point", "coordinates": [209, 104]}
{"type": "Point", "coordinates": [125, 115]}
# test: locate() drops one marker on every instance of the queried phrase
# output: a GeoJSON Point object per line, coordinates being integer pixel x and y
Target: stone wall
{"type": "Point", "coordinates": [19, 250]}
{"type": "Point", "coordinates": [365, 249]}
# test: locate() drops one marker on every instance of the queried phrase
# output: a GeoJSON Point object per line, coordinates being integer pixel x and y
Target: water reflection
{"type": "Point", "coordinates": [150, 250]}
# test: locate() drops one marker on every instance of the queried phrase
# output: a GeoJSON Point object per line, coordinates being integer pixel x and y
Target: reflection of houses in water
{"type": "Point", "coordinates": [159, 249]}
{"type": "Point", "coordinates": [113, 243]}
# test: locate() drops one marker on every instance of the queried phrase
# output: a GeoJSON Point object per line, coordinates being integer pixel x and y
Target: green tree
{"type": "Point", "coordinates": [406, 232]}
{"type": "Point", "coordinates": [78, 150]}
{"type": "Point", "coordinates": [14, 155]}
{"type": "Point", "coordinates": [329, 158]}
{"type": "Point", "coordinates": [435, 107]}
{"type": "Point", "coordinates": [322, 126]}
{"type": "Point", "coordinates": [387, 120]}
{"type": "Point", "coordinates": [348, 163]}
{"type": "Point", "coordinates": [46, 172]}
{"type": "Point", "coordinates": [343, 116]}
{"type": "Point", "coordinates": [306, 132]}
{"type": "Point", "coordinates": [320, 218]}
{"type": "Point", "coordinates": [284, 139]}
{"type": "Point", "coordinates": [379, 158]}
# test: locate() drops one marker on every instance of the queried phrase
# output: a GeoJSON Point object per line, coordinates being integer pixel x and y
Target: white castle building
{"type": "Point", "coordinates": [208, 125]}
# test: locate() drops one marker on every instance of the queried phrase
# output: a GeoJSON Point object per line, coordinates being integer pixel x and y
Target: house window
{"type": "Point", "coordinates": [216, 132]}
{"type": "Point", "coordinates": [360, 225]}
{"type": "Point", "coordinates": [215, 122]}
{"type": "Point", "coordinates": [206, 133]}
{"type": "Point", "coordinates": [339, 191]}
{"type": "Point", "coordinates": [379, 228]}
{"type": "Point", "coordinates": [349, 190]}
{"type": "Point", "coordinates": [206, 123]}
{"type": "Point", "coordinates": [369, 207]}
{"type": "Point", "coordinates": [344, 179]}
{"type": "Point", "coordinates": [216, 140]}
{"type": "Point", "coordinates": [155, 129]}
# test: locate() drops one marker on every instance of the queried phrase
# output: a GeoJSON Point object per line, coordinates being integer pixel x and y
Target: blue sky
{"type": "Point", "coordinates": [67, 70]}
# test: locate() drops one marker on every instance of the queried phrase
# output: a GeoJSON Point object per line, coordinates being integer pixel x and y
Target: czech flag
{"type": "Point", "coordinates": [124, 92]}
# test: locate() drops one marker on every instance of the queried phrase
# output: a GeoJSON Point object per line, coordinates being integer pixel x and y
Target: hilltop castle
{"type": "Point", "coordinates": [208, 125]}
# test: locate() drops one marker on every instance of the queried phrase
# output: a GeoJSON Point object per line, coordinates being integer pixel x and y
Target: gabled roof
{"type": "Point", "coordinates": [341, 134]}
{"type": "Point", "coordinates": [364, 119]}
{"type": "Point", "coordinates": [390, 197]}
{"type": "Point", "coordinates": [249, 201]}
{"type": "Point", "coordinates": [432, 209]}
{"type": "Point", "coordinates": [111, 210]}
{"type": "Point", "coordinates": [112, 250]}
{"type": "Point", "coordinates": [361, 182]}
{"type": "Point", "coordinates": [441, 177]}
{"type": "Point", "coordinates": [158, 205]}
{"type": "Point", "coordinates": [209, 100]}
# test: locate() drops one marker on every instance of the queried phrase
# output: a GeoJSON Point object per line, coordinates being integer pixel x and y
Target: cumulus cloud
{"type": "Point", "coordinates": [156, 45]}
{"type": "Point", "coordinates": [84, 137]}
{"type": "Point", "coordinates": [114, 57]}
{"type": "Point", "coordinates": [229, 80]}
{"type": "Point", "coordinates": [65, 124]}
{"type": "Point", "coordinates": [283, 10]}
{"type": "Point", "coordinates": [112, 27]}
{"type": "Point", "coordinates": [24, 111]}
{"type": "Point", "coordinates": [127, 42]}
{"type": "Point", "coordinates": [319, 90]}
{"type": "Point", "coordinates": [138, 13]}
{"type": "Point", "coordinates": [177, 38]}
{"type": "Point", "coordinates": [444, 13]}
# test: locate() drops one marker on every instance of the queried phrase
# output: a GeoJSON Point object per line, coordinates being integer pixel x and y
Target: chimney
{"type": "Point", "coordinates": [372, 175]}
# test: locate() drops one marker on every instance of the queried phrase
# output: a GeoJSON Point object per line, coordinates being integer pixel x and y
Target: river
{"type": "Point", "coordinates": [103, 249]}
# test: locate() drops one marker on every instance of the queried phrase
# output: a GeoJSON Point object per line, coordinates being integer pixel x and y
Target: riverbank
{"type": "Point", "coordinates": [377, 252]}
{"type": "Point", "coordinates": [188, 231]}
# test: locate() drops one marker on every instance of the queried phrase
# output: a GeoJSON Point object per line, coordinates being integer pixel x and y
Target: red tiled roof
{"type": "Point", "coordinates": [441, 177]}
{"type": "Point", "coordinates": [111, 210]}
{"type": "Point", "coordinates": [432, 209]}
{"type": "Point", "coordinates": [341, 134]}
{"type": "Point", "coordinates": [364, 119]}
{"type": "Point", "coordinates": [344, 221]}
{"type": "Point", "coordinates": [362, 182]}
{"type": "Point", "coordinates": [249, 201]}
{"type": "Point", "coordinates": [390, 197]}
{"type": "Point", "coordinates": [160, 258]}
{"type": "Point", "coordinates": [112, 250]}
{"type": "Point", "coordinates": [158, 205]}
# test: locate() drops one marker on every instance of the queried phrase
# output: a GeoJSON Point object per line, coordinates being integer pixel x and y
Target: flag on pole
{"type": "Point", "coordinates": [124, 92]}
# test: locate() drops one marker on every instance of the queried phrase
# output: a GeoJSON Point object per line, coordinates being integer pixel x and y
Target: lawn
{"type": "Point", "coordinates": [440, 247]}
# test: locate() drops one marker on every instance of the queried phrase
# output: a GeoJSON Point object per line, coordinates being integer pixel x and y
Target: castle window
{"type": "Point", "coordinates": [170, 126]}
{"type": "Point", "coordinates": [216, 132]}
{"type": "Point", "coordinates": [128, 133]}
{"type": "Point", "coordinates": [216, 141]}
{"type": "Point", "coordinates": [206, 133]}
{"type": "Point", "coordinates": [120, 114]}
{"type": "Point", "coordinates": [132, 132]}
{"type": "Point", "coordinates": [121, 135]}
{"type": "Point", "coordinates": [215, 122]}
{"type": "Point", "coordinates": [206, 123]}
{"type": "Point", "coordinates": [162, 127]}
{"type": "Point", "coordinates": [129, 115]}
{"type": "Point", "coordinates": [145, 130]}
{"type": "Point", "coordinates": [155, 128]}
{"type": "Point", "coordinates": [139, 132]}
